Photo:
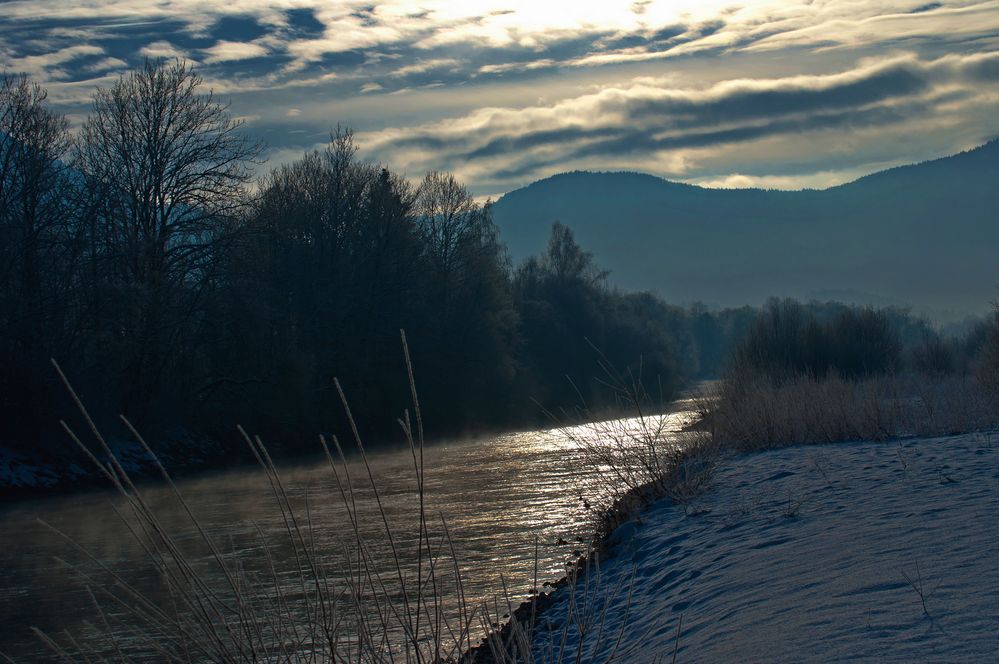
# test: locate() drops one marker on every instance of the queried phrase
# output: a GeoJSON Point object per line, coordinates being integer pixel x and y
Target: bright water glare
{"type": "Point", "coordinates": [499, 496]}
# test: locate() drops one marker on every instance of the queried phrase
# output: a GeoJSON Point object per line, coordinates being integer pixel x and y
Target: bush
{"type": "Point", "coordinates": [788, 341]}
{"type": "Point", "coordinates": [804, 377]}
{"type": "Point", "coordinates": [934, 356]}
{"type": "Point", "coordinates": [988, 356]}
{"type": "Point", "coordinates": [755, 414]}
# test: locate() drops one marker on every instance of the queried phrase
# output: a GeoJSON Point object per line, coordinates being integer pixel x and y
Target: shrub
{"type": "Point", "coordinates": [988, 356]}
{"type": "Point", "coordinates": [798, 378]}
{"type": "Point", "coordinates": [754, 413]}
{"type": "Point", "coordinates": [788, 341]}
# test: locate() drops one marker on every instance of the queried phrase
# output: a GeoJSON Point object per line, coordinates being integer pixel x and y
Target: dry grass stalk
{"type": "Point", "coordinates": [222, 612]}
{"type": "Point", "coordinates": [413, 610]}
{"type": "Point", "coordinates": [754, 412]}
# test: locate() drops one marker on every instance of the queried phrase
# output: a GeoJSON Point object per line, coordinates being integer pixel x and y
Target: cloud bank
{"type": "Point", "coordinates": [505, 92]}
{"type": "Point", "coordinates": [651, 125]}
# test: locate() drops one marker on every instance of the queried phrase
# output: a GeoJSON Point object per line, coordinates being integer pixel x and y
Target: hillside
{"type": "Point", "coordinates": [924, 235]}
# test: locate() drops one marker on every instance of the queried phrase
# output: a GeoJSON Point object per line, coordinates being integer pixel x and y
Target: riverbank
{"type": "Point", "coordinates": [849, 551]}
{"type": "Point", "coordinates": [37, 472]}
{"type": "Point", "coordinates": [30, 474]}
{"type": "Point", "coordinates": [687, 458]}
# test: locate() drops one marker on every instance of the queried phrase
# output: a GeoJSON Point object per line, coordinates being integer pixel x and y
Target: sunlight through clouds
{"type": "Point", "coordinates": [403, 71]}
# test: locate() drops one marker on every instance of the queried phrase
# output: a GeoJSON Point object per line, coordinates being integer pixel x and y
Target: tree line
{"type": "Point", "coordinates": [789, 340]}
{"type": "Point", "coordinates": [830, 372]}
{"type": "Point", "coordinates": [174, 286]}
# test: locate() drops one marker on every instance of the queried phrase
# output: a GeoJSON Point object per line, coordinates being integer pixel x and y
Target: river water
{"type": "Point", "coordinates": [504, 498]}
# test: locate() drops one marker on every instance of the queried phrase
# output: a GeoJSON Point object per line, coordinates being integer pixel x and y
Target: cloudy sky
{"type": "Point", "coordinates": [789, 94]}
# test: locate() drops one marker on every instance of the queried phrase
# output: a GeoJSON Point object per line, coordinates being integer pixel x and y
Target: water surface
{"type": "Point", "coordinates": [500, 495]}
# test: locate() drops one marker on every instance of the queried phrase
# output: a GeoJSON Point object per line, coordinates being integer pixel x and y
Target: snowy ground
{"type": "Point", "coordinates": [41, 470]}
{"type": "Point", "coordinates": [18, 471]}
{"type": "Point", "coordinates": [805, 554]}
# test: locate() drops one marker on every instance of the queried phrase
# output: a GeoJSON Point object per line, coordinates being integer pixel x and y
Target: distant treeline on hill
{"type": "Point", "coordinates": [140, 254]}
{"type": "Point", "coordinates": [923, 235]}
{"type": "Point", "coordinates": [828, 373]}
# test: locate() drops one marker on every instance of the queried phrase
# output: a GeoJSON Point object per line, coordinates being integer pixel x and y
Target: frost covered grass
{"type": "Point", "coordinates": [641, 457]}
{"type": "Point", "coordinates": [796, 378]}
{"type": "Point", "coordinates": [754, 412]}
{"type": "Point", "coordinates": [639, 460]}
{"type": "Point", "coordinates": [594, 625]}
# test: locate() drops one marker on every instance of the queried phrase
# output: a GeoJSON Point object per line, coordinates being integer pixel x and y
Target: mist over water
{"type": "Point", "coordinates": [499, 495]}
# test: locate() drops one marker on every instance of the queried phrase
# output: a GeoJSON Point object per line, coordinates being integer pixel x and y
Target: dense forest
{"type": "Point", "coordinates": [175, 285]}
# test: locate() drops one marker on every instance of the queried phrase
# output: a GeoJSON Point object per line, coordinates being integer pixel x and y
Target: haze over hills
{"type": "Point", "coordinates": [924, 235]}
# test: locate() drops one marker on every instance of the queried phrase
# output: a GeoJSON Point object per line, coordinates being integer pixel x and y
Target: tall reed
{"type": "Point", "coordinates": [398, 598]}
{"type": "Point", "coordinates": [224, 612]}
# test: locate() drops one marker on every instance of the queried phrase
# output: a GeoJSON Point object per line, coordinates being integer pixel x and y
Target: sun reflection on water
{"type": "Point", "coordinates": [499, 496]}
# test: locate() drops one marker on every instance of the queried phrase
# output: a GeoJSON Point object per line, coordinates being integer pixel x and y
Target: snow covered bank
{"type": "Point", "coordinates": [815, 553]}
{"type": "Point", "coordinates": [33, 472]}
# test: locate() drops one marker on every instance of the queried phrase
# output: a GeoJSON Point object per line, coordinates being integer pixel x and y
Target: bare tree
{"type": "Point", "coordinates": [988, 359]}
{"type": "Point", "coordinates": [35, 242]}
{"type": "Point", "coordinates": [566, 260]}
{"type": "Point", "coordinates": [316, 202]}
{"type": "Point", "coordinates": [454, 229]}
{"type": "Point", "coordinates": [169, 165]}
{"type": "Point", "coordinates": [33, 140]}
{"type": "Point", "coordinates": [447, 215]}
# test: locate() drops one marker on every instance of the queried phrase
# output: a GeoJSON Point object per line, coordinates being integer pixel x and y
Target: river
{"type": "Point", "coordinates": [499, 495]}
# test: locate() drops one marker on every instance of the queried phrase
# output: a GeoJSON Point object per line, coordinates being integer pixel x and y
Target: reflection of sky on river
{"type": "Point", "coordinates": [497, 494]}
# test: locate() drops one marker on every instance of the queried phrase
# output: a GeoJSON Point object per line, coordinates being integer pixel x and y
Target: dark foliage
{"type": "Point", "coordinates": [40, 254]}
{"type": "Point", "coordinates": [816, 340]}
{"type": "Point", "coordinates": [137, 256]}
{"type": "Point", "coordinates": [988, 356]}
{"type": "Point", "coordinates": [790, 340]}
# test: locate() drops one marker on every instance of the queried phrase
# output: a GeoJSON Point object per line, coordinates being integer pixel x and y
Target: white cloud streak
{"type": "Point", "coordinates": [649, 125]}
{"type": "Point", "coordinates": [162, 49]}
{"type": "Point", "coordinates": [531, 26]}
{"type": "Point", "coordinates": [832, 70]}
{"type": "Point", "coordinates": [228, 51]}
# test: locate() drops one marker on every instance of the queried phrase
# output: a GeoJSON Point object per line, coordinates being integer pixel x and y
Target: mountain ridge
{"type": "Point", "coordinates": [879, 235]}
{"type": "Point", "coordinates": [984, 148]}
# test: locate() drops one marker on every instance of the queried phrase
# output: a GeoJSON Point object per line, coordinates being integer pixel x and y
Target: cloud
{"type": "Point", "coordinates": [162, 49]}
{"type": "Point", "coordinates": [646, 124]}
{"type": "Point", "coordinates": [49, 65]}
{"type": "Point", "coordinates": [226, 51]}
{"type": "Point", "coordinates": [107, 64]}
{"type": "Point", "coordinates": [466, 76]}
{"type": "Point", "coordinates": [850, 25]}
{"type": "Point", "coordinates": [499, 37]}
{"type": "Point", "coordinates": [819, 180]}
{"type": "Point", "coordinates": [424, 66]}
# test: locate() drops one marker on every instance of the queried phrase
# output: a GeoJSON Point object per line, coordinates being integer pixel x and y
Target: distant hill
{"type": "Point", "coordinates": [925, 235]}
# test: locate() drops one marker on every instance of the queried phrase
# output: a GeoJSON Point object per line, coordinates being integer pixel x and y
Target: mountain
{"type": "Point", "coordinates": [925, 235]}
